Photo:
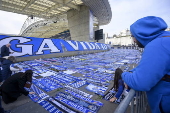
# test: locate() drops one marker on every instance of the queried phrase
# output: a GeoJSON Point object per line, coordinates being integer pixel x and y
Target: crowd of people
{"type": "Point", "coordinates": [151, 75]}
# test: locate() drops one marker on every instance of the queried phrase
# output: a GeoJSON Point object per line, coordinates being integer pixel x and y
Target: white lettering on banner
{"type": "Point", "coordinates": [88, 45]}
{"type": "Point", "coordinates": [80, 108]}
{"type": "Point", "coordinates": [104, 46]}
{"type": "Point", "coordinates": [74, 46]}
{"type": "Point", "coordinates": [84, 47]}
{"type": "Point", "coordinates": [25, 48]}
{"type": "Point", "coordinates": [20, 47]}
{"type": "Point", "coordinates": [97, 46]}
{"type": "Point", "coordinates": [50, 47]}
{"type": "Point", "coordinates": [93, 46]}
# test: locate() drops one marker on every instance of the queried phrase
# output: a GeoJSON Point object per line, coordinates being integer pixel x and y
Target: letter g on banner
{"type": "Point", "coordinates": [26, 49]}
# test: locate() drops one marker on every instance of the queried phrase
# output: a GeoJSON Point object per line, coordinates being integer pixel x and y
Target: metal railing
{"type": "Point", "coordinates": [136, 100]}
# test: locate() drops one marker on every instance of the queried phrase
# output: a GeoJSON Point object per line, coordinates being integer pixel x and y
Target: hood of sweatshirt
{"type": "Point", "coordinates": [148, 28]}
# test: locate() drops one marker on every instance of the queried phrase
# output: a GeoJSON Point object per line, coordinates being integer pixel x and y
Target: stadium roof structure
{"type": "Point", "coordinates": [53, 14]}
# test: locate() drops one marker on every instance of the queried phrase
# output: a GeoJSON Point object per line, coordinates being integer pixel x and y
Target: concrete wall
{"type": "Point", "coordinates": [78, 23]}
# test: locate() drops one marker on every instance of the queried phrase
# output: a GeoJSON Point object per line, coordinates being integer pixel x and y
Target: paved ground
{"type": "Point", "coordinates": [25, 105]}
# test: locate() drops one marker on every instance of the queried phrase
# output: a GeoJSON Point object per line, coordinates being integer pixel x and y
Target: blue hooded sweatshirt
{"type": "Point", "coordinates": [154, 64]}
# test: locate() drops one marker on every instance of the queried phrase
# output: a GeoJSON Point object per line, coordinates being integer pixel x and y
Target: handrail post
{"type": "Point", "coordinates": [125, 102]}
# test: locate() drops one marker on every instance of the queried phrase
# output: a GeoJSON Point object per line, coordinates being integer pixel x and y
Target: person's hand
{"type": "Point", "coordinates": [126, 86]}
{"type": "Point", "coordinates": [20, 69]}
{"type": "Point", "coordinates": [31, 92]}
{"type": "Point", "coordinates": [113, 99]}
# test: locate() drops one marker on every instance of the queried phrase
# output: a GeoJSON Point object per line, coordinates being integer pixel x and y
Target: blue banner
{"type": "Point", "coordinates": [31, 46]}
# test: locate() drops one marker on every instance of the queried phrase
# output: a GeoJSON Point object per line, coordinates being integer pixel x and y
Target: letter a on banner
{"type": "Point", "coordinates": [50, 47]}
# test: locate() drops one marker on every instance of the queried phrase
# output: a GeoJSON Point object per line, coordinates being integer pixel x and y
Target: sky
{"type": "Point", "coordinates": [124, 13]}
{"type": "Point", "coordinates": [11, 23]}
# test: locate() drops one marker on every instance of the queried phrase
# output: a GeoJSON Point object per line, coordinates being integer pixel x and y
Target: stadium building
{"type": "Point", "coordinates": [70, 19]}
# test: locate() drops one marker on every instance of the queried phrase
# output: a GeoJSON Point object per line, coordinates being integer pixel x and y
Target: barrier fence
{"type": "Point", "coordinates": [129, 47]}
{"type": "Point", "coordinates": [136, 100]}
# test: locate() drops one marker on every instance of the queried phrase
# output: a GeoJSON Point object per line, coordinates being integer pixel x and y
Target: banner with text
{"type": "Point", "coordinates": [31, 46]}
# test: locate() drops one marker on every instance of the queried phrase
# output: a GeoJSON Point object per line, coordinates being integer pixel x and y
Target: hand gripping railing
{"type": "Point", "coordinates": [140, 105]}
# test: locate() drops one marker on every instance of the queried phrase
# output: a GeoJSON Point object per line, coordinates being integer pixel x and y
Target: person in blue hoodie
{"type": "Point", "coordinates": [153, 72]}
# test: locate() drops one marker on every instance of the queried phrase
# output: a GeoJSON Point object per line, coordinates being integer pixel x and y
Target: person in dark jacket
{"type": "Point", "coordinates": [118, 84]}
{"type": "Point", "coordinates": [13, 87]}
{"type": "Point", "coordinates": [5, 50]}
{"type": "Point", "coordinates": [6, 72]}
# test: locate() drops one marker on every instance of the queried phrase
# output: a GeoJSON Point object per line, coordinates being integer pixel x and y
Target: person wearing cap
{"type": "Point", "coordinates": [5, 50]}
{"type": "Point", "coordinates": [153, 72]}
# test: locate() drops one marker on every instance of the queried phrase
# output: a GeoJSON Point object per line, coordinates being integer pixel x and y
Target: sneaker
{"type": "Point", "coordinates": [9, 111]}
